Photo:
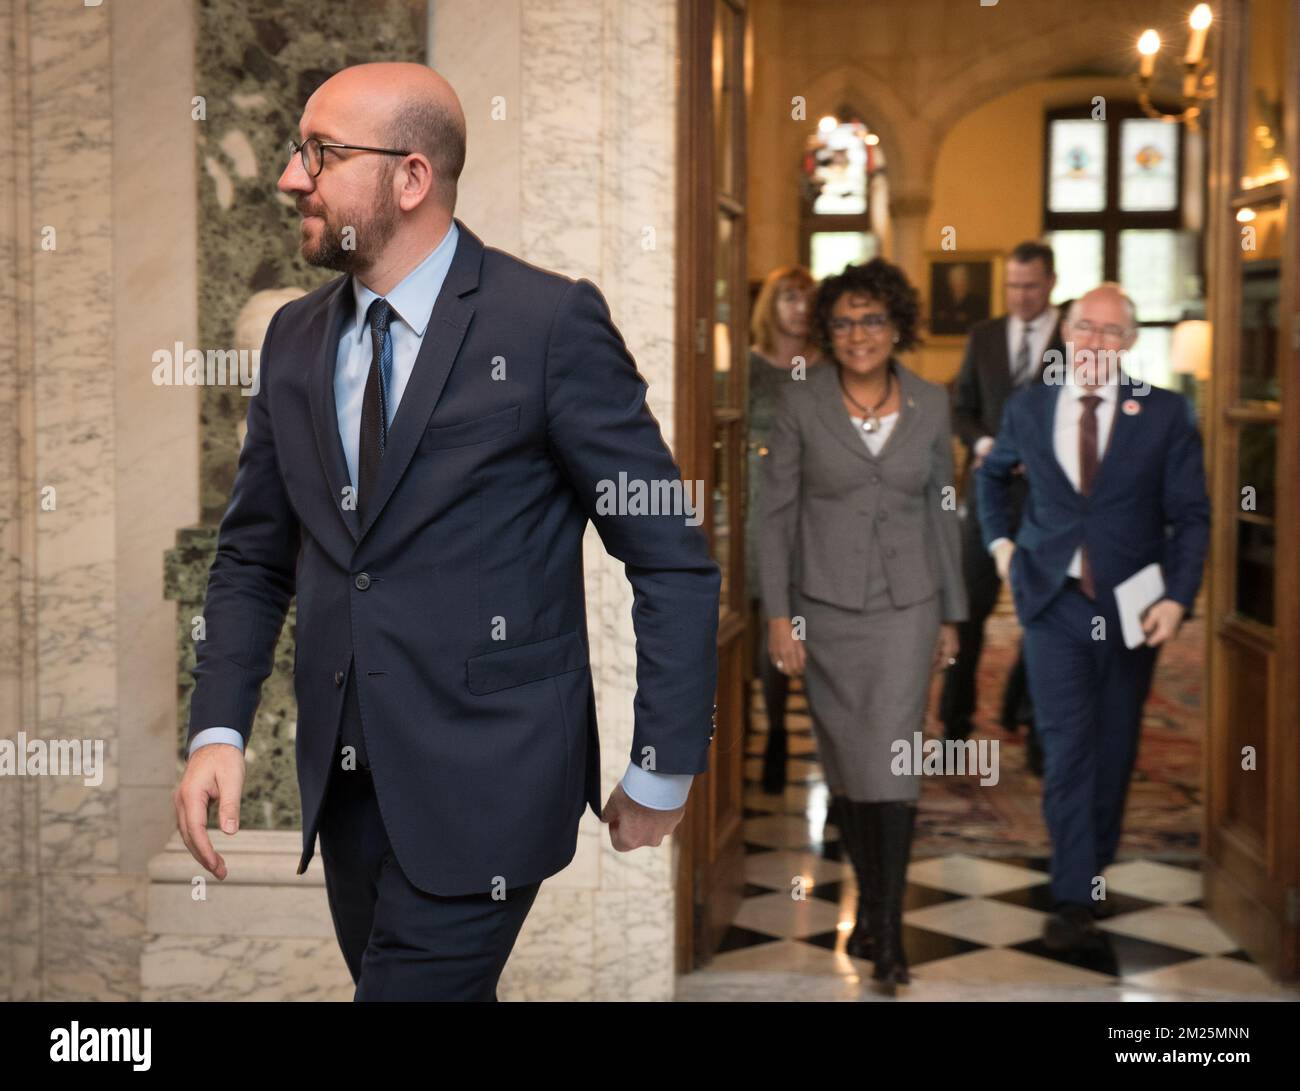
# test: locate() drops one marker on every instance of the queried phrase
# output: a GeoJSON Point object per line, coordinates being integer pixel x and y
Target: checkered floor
{"type": "Point", "coordinates": [969, 923]}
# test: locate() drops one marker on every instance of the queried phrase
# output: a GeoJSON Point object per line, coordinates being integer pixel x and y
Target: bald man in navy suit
{"type": "Point", "coordinates": [1116, 483]}
{"type": "Point", "coordinates": [433, 432]}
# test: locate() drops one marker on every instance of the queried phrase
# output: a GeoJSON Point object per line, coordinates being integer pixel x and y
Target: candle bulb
{"type": "Point", "coordinates": [1200, 20]}
{"type": "Point", "coordinates": [1148, 46]}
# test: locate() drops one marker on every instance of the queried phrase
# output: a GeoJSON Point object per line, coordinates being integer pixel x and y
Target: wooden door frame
{"type": "Point", "coordinates": [707, 858]}
{"type": "Point", "coordinates": [1251, 885]}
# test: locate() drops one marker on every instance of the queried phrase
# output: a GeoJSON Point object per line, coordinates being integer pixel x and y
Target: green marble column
{"type": "Point", "coordinates": [270, 799]}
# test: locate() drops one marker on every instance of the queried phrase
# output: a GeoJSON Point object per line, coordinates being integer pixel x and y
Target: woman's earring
{"type": "Point", "coordinates": [895, 338]}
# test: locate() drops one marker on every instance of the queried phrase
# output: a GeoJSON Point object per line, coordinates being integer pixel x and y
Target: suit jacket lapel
{"type": "Point", "coordinates": [1054, 345]}
{"type": "Point", "coordinates": [324, 411]}
{"type": "Point", "coordinates": [1045, 398]}
{"type": "Point", "coordinates": [1123, 431]}
{"type": "Point", "coordinates": [907, 411]}
{"type": "Point", "coordinates": [999, 366]}
{"type": "Point", "coordinates": [830, 407]}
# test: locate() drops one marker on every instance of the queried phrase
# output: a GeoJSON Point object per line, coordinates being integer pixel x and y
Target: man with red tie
{"type": "Point", "coordinates": [1116, 483]}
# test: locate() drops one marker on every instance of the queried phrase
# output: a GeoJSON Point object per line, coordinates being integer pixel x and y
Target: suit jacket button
{"type": "Point", "coordinates": [338, 678]}
{"type": "Point", "coordinates": [363, 581]}
{"type": "Point", "coordinates": [875, 479]}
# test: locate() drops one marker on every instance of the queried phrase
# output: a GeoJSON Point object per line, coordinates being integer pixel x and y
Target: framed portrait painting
{"type": "Point", "coordinates": [965, 287]}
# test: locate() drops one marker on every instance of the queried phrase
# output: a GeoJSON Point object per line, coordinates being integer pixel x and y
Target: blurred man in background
{"type": "Point", "coordinates": [1002, 355]}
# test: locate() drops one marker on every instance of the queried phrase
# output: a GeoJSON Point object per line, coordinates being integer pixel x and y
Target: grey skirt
{"type": "Point", "coordinates": [868, 675]}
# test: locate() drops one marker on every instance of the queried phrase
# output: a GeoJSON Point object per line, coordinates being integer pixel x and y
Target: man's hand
{"type": "Point", "coordinates": [1002, 558]}
{"type": "Point", "coordinates": [215, 771]}
{"type": "Point", "coordinates": [632, 825]}
{"type": "Point", "coordinates": [1162, 621]}
{"type": "Point", "coordinates": [786, 653]}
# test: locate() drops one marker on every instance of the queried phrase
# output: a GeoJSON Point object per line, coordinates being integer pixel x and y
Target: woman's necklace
{"type": "Point", "coordinates": [870, 417]}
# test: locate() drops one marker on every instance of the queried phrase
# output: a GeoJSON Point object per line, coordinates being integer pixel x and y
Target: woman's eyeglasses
{"type": "Point", "coordinates": [312, 152]}
{"type": "Point", "coordinates": [868, 323]}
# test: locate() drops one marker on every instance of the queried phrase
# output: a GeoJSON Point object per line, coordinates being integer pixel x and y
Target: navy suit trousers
{"type": "Point", "coordinates": [399, 942]}
{"type": "Point", "coordinates": [1088, 695]}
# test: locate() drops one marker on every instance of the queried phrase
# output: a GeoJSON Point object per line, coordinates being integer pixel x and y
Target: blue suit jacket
{"type": "Point", "coordinates": [522, 400]}
{"type": "Point", "coordinates": [1148, 501]}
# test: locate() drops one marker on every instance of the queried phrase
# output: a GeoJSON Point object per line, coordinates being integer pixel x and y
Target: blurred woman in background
{"type": "Point", "coordinates": [779, 326]}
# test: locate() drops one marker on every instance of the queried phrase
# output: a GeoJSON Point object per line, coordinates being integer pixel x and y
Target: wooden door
{"type": "Point", "coordinates": [1252, 814]}
{"type": "Point", "coordinates": [712, 343]}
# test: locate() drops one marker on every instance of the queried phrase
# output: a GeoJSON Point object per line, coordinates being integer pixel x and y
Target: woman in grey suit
{"type": "Point", "coordinates": [860, 566]}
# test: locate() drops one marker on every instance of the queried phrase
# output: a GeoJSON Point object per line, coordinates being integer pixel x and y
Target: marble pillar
{"type": "Point", "coordinates": [99, 466]}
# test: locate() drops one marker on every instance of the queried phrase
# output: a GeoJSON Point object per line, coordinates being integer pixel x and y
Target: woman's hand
{"type": "Point", "coordinates": [945, 650]}
{"type": "Point", "coordinates": [786, 652]}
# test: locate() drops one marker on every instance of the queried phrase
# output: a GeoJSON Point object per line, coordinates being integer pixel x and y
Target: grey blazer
{"type": "Point", "coordinates": [823, 492]}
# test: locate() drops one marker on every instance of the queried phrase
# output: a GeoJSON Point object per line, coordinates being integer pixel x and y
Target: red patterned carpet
{"type": "Point", "coordinates": [1163, 819]}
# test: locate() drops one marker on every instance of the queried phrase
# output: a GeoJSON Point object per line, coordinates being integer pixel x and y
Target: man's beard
{"type": "Point", "coordinates": [369, 237]}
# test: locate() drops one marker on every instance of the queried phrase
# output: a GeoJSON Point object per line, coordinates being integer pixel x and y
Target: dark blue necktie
{"type": "Point", "coordinates": [374, 406]}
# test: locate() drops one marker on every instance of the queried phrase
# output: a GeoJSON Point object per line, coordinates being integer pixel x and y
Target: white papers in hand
{"type": "Point", "coordinates": [1144, 588]}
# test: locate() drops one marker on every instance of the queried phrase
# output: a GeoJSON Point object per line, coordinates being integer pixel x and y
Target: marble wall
{"type": "Point", "coordinates": [570, 107]}
{"type": "Point", "coordinates": [99, 467]}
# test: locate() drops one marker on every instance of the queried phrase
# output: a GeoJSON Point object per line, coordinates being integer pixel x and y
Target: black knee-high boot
{"type": "Point", "coordinates": [835, 817]}
{"type": "Point", "coordinates": [854, 832]}
{"type": "Point", "coordinates": [776, 689]}
{"type": "Point", "coordinates": [889, 850]}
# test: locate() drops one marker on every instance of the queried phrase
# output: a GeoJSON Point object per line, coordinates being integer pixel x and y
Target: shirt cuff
{"type": "Point", "coordinates": [983, 446]}
{"type": "Point", "coordinates": [217, 734]}
{"type": "Point", "coordinates": [993, 545]}
{"type": "Point", "coordinates": [658, 791]}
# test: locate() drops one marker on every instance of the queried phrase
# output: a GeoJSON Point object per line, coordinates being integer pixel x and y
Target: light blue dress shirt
{"type": "Point", "coordinates": [412, 302]}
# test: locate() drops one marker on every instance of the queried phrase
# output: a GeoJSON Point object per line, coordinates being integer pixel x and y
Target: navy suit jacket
{"type": "Point", "coordinates": [459, 601]}
{"type": "Point", "coordinates": [1148, 501]}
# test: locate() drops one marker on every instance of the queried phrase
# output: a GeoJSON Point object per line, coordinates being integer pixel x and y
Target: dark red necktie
{"type": "Point", "coordinates": [1087, 471]}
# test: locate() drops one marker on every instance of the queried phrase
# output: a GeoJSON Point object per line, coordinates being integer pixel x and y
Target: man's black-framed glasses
{"type": "Point", "coordinates": [312, 151]}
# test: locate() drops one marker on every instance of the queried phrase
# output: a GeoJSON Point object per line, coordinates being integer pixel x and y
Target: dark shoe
{"type": "Point", "coordinates": [1101, 910]}
{"type": "Point", "coordinates": [888, 853]}
{"type": "Point", "coordinates": [853, 835]}
{"type": "Point", "coordinates": [1069, 927]}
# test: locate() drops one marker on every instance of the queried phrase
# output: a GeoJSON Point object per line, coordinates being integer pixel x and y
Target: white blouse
{"type": "Point", "coordinates": [876, 440]}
